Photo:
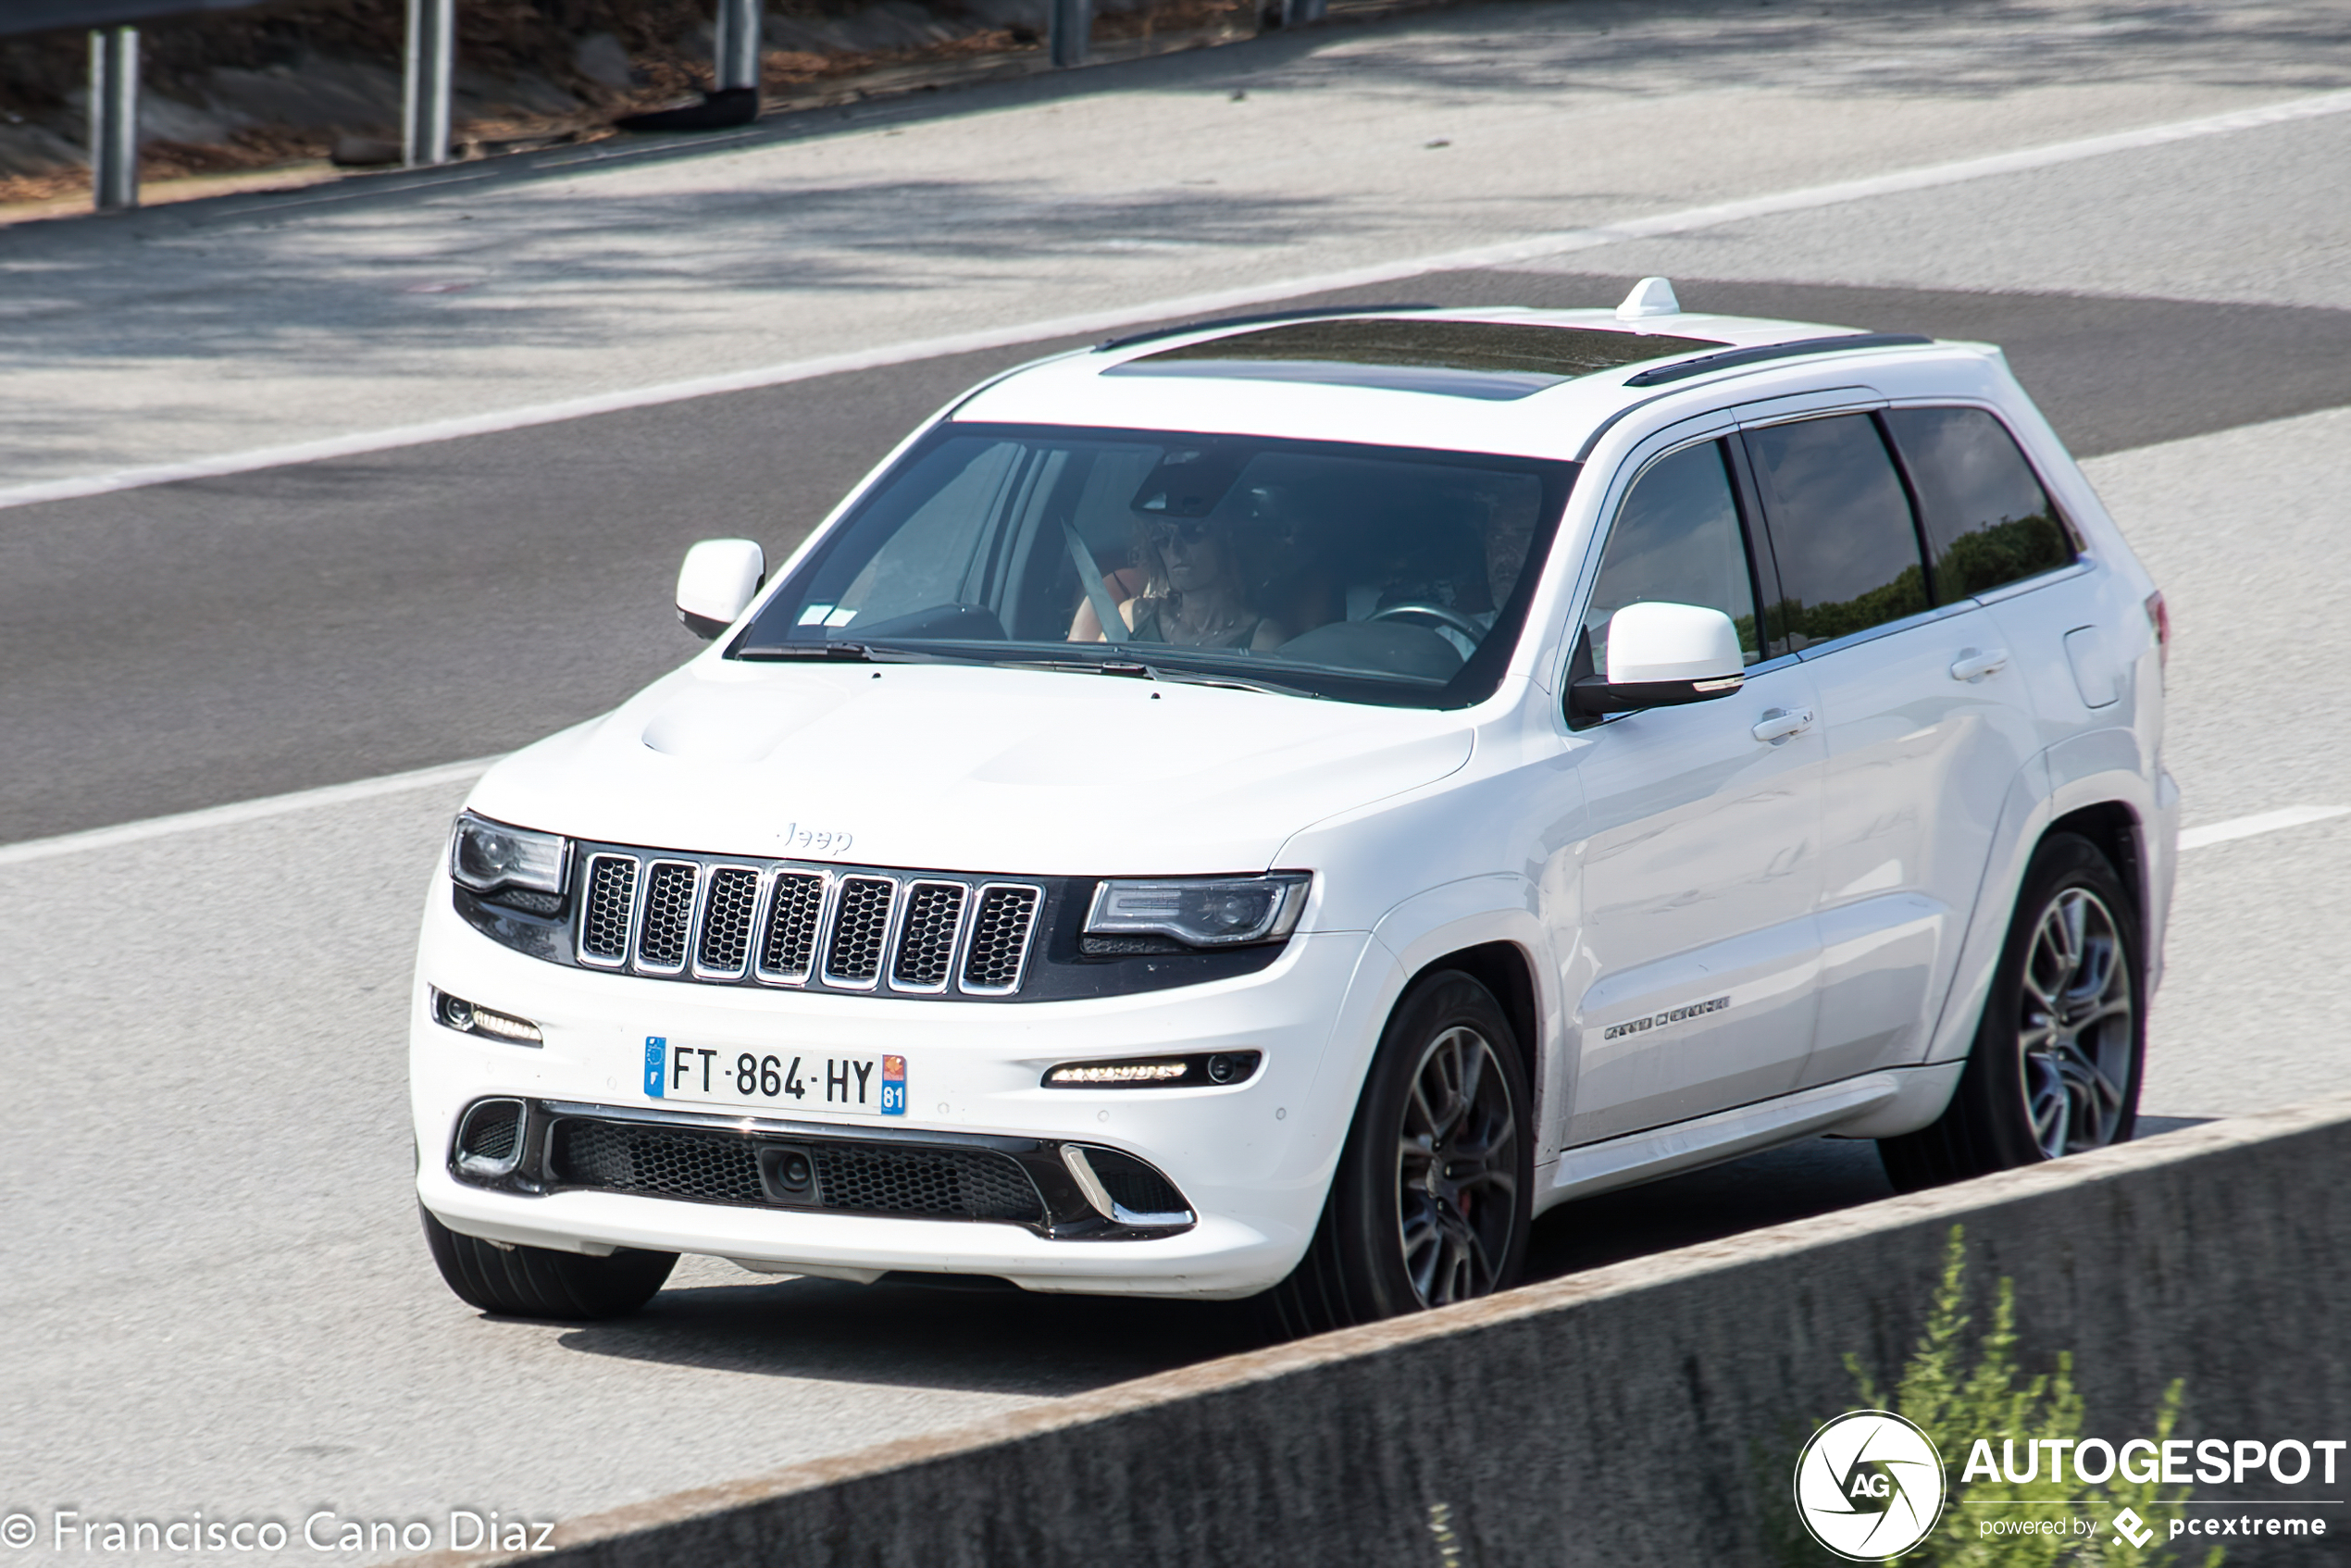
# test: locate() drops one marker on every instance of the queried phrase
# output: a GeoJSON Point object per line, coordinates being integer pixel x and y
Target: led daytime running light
{"type": "Point", "coordinates": [466, 1018]}
{"type": "Point", "coordinates": [1121, 1072]}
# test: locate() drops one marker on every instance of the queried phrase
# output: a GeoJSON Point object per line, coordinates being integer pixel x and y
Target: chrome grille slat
{"type": "Point", "coordinates": [723, 933]}
{"type": "Point", "coordinates": [922, 953]}
{"type": "Point", "coordinates": [607, 909]}
{"type": "Point", "coordinates": [795, 912]}
{"type": "Point", "coordinates": [665, 916]}
{"type": "Point", "coordinates": [859, 931]}
{"type": "Point", "coordinates": [998, 954]}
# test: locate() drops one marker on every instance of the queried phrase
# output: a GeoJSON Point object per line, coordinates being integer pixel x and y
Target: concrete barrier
{"type": "Point", "coordinates": [1637, 1415]}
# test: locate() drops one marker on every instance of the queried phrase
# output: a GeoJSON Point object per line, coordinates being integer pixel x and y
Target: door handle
{"type": "Point", "coordinates": [1973, 666]}
{"type": "Point", "coordinates": [1779, 724]}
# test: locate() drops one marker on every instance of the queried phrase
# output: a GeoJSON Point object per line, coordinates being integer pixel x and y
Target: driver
{"type": "Point", "coordinates": [1191, 593]}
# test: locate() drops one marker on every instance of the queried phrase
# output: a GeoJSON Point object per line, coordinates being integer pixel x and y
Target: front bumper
{"type": "Point", "coordinates": [1252, 1161]}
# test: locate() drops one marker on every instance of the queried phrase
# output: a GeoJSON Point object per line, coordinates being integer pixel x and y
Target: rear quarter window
{"type": "Point", "coordinates": [1988, 520]}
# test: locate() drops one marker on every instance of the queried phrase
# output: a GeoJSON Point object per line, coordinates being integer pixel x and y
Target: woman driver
{"type": "Point", "coordinates": [1191, 594]}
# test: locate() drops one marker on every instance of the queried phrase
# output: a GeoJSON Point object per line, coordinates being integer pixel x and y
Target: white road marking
{"type": "Point", "coordinates": [1532, 248]}
{"type": "Point", "coordinates": [241, 810]}
{"type": "Point", "coordinates": [2260, 822]}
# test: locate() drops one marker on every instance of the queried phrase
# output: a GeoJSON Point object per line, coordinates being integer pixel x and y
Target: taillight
{"type": "Point", "coordinates": [2159, 618]}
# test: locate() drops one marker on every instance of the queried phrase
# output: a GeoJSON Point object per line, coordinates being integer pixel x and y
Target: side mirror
{"type": "Point", "coordinates": [1661, 654]}
{"type": "Point", "coordinates": [717, 581]}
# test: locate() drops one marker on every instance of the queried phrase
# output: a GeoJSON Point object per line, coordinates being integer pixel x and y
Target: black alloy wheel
{"type": "Point", "coordinates": [2060, 1050]}
{"type": "Point", "coordinates": [1433, 1200]}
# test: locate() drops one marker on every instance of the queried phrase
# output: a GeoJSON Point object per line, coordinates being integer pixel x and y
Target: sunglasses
{"type": "Point", "coordinates": [1192, 531]}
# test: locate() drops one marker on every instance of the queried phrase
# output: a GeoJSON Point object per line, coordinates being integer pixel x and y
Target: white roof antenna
{"type": "Point", "coordinates": [1650, 296]}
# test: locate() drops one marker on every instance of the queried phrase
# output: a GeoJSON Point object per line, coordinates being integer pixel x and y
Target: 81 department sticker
{"type": "Point", "coordinates": [1869, 1486]}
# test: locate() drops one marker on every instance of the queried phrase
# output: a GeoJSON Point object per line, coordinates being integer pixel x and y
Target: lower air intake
{"type": "Point", "coordinates": [1134, 1186]}
{"type": "Point", "coordinates": [490, 1138]}
{"type": "Point", "coordinates": [852, 1175]}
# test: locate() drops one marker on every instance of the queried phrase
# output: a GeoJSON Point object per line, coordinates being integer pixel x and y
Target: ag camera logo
{"type": "Point", "coordinates": [1869, 1486]}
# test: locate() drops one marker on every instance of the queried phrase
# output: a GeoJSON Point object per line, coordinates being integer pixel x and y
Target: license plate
{"type": "Point", "coordinates": [770, 1080]}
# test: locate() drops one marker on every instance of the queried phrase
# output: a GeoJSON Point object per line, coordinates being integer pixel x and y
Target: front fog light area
{"type": "Point", "coordinates": [456, 1013]}
{"type": "Point", "coordinates": [1173, 913]}
{"type": "Point", "coordinates": [1210, 1069]}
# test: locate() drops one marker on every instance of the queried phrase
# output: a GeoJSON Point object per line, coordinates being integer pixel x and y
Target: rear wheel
{"type": "Point", "coordinates": [540, 1282]}
{"type": "Point", "coordinates": [2056, 1065]}
{"type": "Point", "coordinates": [1431, 1204]}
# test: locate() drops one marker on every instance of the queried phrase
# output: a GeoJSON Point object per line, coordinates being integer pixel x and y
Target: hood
{"type": "Point", "coordinates": [967, 768]}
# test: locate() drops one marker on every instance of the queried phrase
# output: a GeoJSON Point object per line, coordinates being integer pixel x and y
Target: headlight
{"type": "Point", "coordinates": [1202, 910]}
{"type": "Point", "coordinates": [486, 857]}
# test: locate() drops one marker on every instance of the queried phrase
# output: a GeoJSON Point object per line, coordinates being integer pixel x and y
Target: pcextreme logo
{"type": "Point", "coordinates": [1868, 1485]}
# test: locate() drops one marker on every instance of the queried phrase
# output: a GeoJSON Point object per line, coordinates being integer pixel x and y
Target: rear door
{"type": "Point", "coordinates": [1695, 956]}
{"type": "Point", "coordinates": [1928, 725]}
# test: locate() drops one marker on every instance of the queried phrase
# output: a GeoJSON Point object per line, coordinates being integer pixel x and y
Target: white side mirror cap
{"type": "Point", "coordinates": [1650, 296]}
{"type": "Point", "coordinates": [717, 583]}
{"type": "Point", "coordinates": [1651, 644]}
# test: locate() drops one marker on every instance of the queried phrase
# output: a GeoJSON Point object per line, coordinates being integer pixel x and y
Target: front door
{"type": "Point", "coordinates": [1695, 955]}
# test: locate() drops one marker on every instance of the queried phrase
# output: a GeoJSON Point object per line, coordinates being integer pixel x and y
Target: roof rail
{"type": "Point", "coordinates": [1681, 369]}
{"type": "Point", "coordinates": [1266, 319]}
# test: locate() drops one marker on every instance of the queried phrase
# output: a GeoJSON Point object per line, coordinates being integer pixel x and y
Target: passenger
{"type": "Point", "coordinates": [1511, 520]}
{"type": "Point", "coordinates": [1190, 594]}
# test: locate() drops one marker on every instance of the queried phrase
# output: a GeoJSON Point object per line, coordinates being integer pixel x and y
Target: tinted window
{"type": "Point", "coordinates": [1988, 521]}
{"type": "Point", "coordinates": [1363, 573]}
{"type": "Point", "coordinates": [1677, 540]}
{"type": "Point", "coordinates": [1841, 528]}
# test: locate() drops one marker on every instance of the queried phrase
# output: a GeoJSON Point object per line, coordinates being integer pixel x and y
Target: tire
{"type": "Point", "coordinates": [541, 1282]}
{"type": "Point", "coordinates": [2060, 1050]}
{"type": "Point", "coordinates": [1400, 1232]}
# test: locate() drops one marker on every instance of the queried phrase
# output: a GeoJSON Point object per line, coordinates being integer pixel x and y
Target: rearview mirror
{"type": "Point", "coordinates": [717, 583]}
{"type": "Point", "coordinates": [1659, 654]}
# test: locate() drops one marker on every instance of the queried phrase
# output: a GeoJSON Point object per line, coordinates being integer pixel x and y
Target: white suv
{"type": "Point", "coordinates": [1275, 805]}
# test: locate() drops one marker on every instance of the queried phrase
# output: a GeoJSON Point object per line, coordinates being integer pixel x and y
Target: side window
{"type": "Point", "coordinates": [1988, 521]}
{"type": "Point", "coordinates": [1842, 533]}
{"type": "Point", "coordinates": [1677, 539]}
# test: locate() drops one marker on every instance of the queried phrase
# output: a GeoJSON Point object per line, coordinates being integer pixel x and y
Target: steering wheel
{"type": "Point", "coordinates": [1437, 613]}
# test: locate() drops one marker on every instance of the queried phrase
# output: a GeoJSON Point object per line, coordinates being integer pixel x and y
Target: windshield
{"type": "Point", "coordinates": [1362, 573]}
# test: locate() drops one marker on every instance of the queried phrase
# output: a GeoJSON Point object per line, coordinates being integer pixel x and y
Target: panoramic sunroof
{"type": "Point", "coordinates": [1496, 361]}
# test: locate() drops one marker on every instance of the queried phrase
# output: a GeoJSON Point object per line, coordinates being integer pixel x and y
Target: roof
{"type": "Point", "coordinates": [1504, 379]}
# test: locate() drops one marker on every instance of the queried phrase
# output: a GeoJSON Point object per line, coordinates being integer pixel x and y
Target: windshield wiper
{"type": "Point", "coordinates": [854, 654]}
{"type": "Point", "coordinates": [899, 653]}
{"type": "Point", "coordinates": [1132, 670]}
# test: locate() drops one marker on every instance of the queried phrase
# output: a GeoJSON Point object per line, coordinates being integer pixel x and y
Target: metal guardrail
{"type": "Point", "coordinates": [429, 62]}
{"type": "Point", "coordinates": [41, 16]}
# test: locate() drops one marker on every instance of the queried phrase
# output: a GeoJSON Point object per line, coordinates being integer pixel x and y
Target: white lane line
{"type": "Point", "coordinates": [2261, 822]}
{"type": "Point", "coordinates": [242, 811]}
{"type": "Point", "coordinates": [1532, 248]}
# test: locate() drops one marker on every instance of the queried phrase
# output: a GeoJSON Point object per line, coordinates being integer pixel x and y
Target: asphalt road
{"type": "Point", "coordinates": [175, 647]}
{"type": "Point", "coordinates": [213, 1292]}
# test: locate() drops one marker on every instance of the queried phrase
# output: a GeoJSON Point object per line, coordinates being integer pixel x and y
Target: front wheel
{"type": "Point", "coordinates": [1432, 1203]}
{"type": "Point", "coordinates": [2056, 1065]}
{"type": "Point", "coordinates": [541, 1282]}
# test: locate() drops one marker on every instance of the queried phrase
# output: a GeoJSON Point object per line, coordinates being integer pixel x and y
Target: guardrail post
{"type": "Point", "coordinates": [1073, 30]}
{"type": "Point", "coordinates": [432, 41]}
{"type": "Point", "coordinates": [113, 117]}
{"type": "Point", "coordinates": [737, 56]}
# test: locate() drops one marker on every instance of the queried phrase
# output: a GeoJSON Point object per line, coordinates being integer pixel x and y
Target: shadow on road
{"type": "Point", "coordinates": [1008, 1341]}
